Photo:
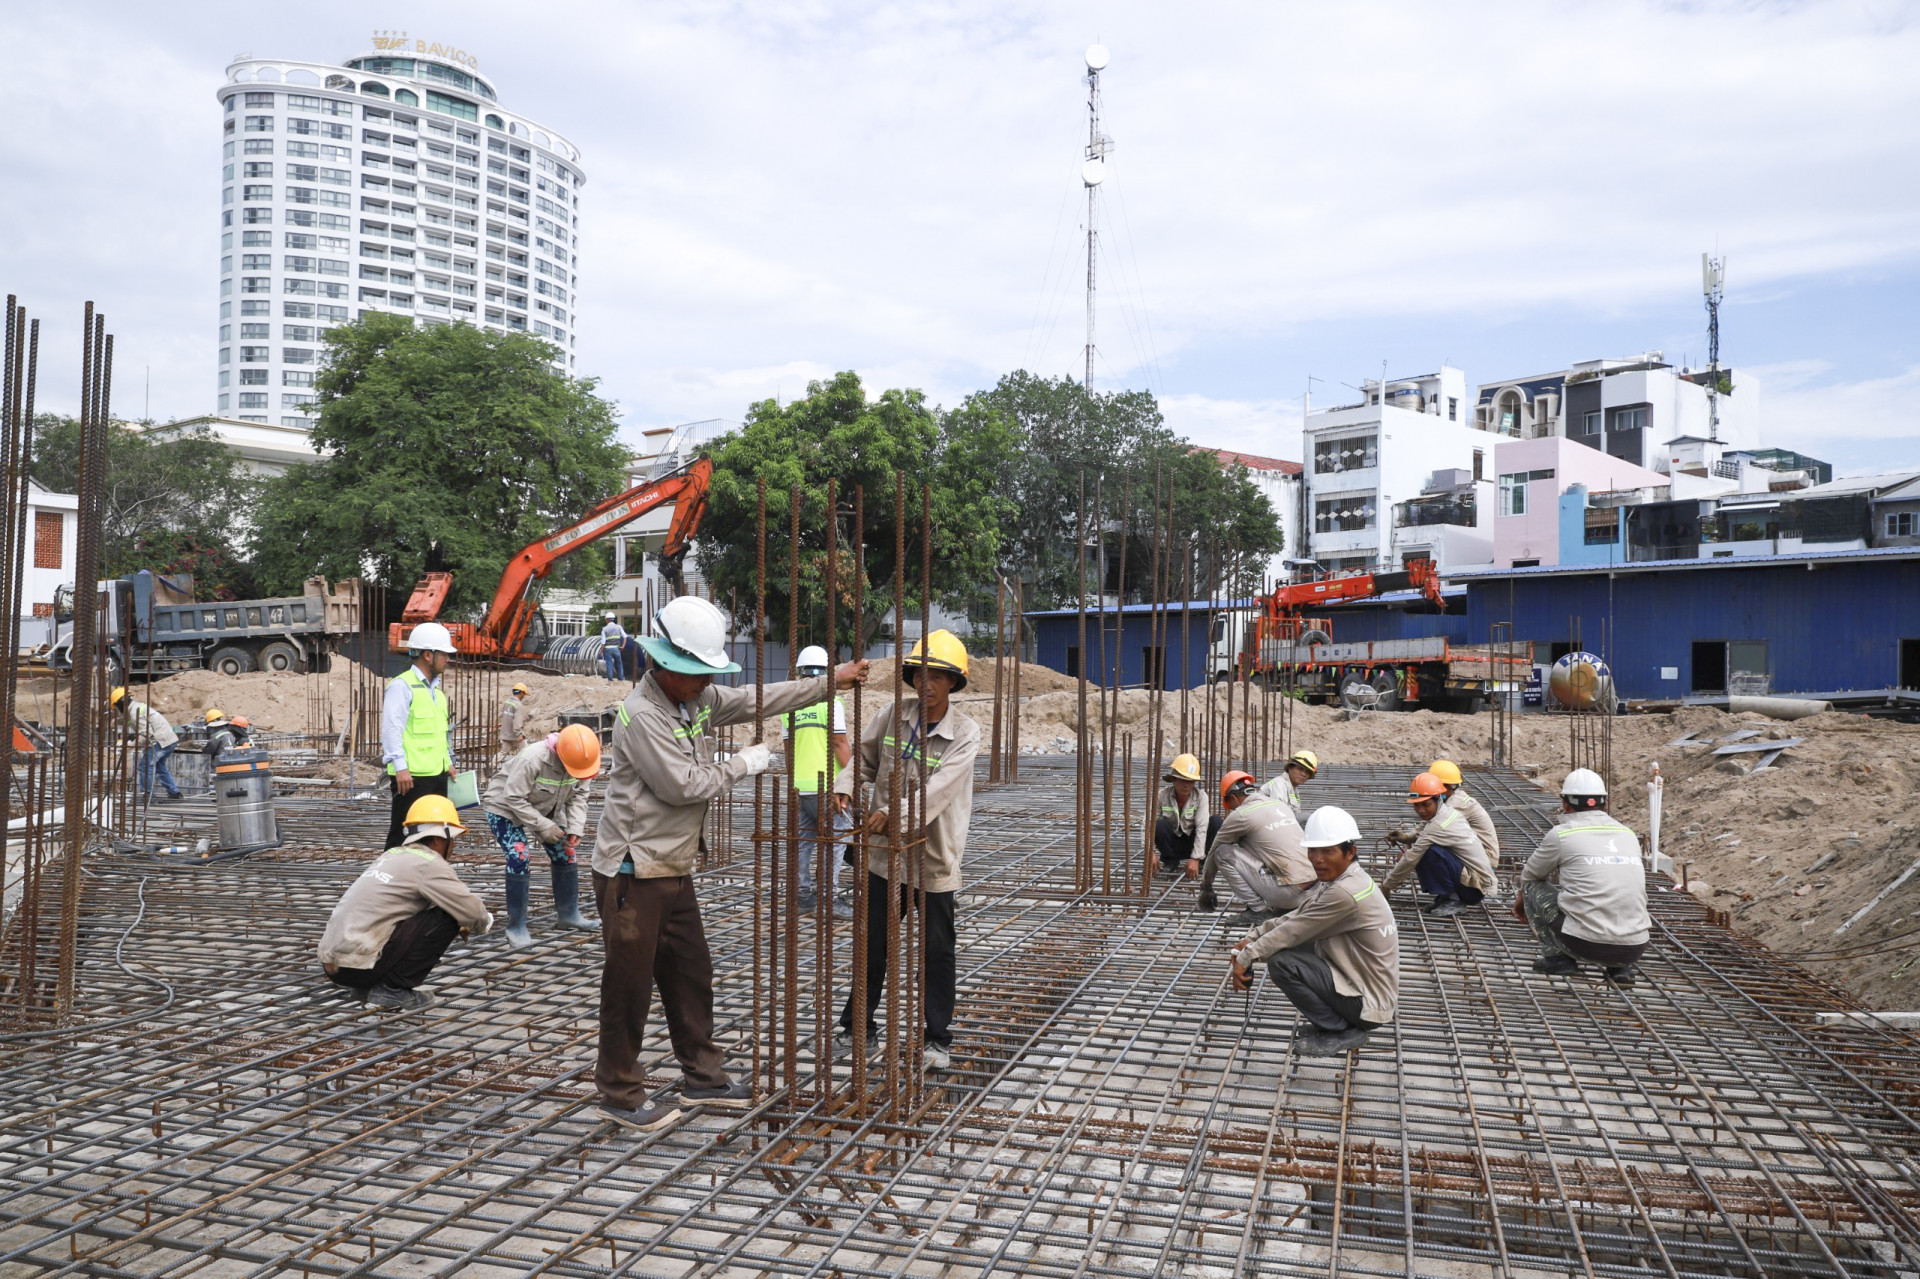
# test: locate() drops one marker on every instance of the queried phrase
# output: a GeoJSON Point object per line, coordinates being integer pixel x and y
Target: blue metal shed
{"type": "Point", "coordinates": [1815, 622]}
{"type": "Point", "coordinates": [1057, 640]}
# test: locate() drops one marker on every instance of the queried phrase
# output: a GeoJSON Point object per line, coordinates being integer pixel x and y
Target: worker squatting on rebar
{"type": "Point", "coordinates": [1448, 855]}
{"type": "Point", "coordinates": [1336, 956]}
{"type": "Point", "coordinates": [393, 923]}
{"type": "Point", "coordinates": [540, 796]}
{"type": "Point", "coordinates": [666, 772]}
{"type": "Point", "coordinates": [416, 732]}
{"type": "Point", "coordinates": [1259, 853]}
{"type": "Point", "coordinates": [1297, 772]}
{"type": "Point", "coordinates": [1584, 891]}
{"type": "Point", "coordinates": [1184, 830]}
{"type": "Point", "coordinates": [931, 744]}
{"type": "Point", "coordinates": [817, 740]}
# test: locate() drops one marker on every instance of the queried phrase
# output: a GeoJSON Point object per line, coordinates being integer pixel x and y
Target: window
{"type": "Point", "coordinates": [297, 355]}
{"type": "Point", "coordinates": [1513, 490]}
{"type": "Point", "coordinates": [226, 332]}
{"type": "Point", "coordinates": [253, 377]}
{"type": "Point", "coordinates": [292, 263]}
{"type": "Point", "coordinates": [257, 193]}
{"type": "Point", "coordinates": [259, 124]}
{"type": "Point", "coordinates": [1590, 423]}
{"type": "Point", "coordinates": [49, 530]}
{"type": "Point", "coordinates": [333, 314]}
{"type": "Point", "coordinates": [253, 399]}
{"type": "Point", "coordinates": [296, 377]}
{"type": "Point", "coordinates": [300, 240]}
{"type": "Point", "coordinates": [256, 284]}
{"type": "Point", "coordinates": [257, 169]}
{"type": "Point", "coordinates": [251, 331]}
{"type": "Point", "coordinates": [256, 239]}
{"type": "Point", "coordinates": [1349, 453]}
{"type": "Point", "coordinates": [296, 333]}
{"type": "Point", "coordinates": [1900, 523]}
{"type": "Point", "coordinates": [296, 399]}
{"type": "Point", "coordinates": [1453, 408]}
{"type": "Point", "coordinates": [1634, 419]}
{"type": "Point", "coordinates": [254, 354]}
{"type": "Point", "coordinates": [1602, 526]}
{"type": "Point", "coordinates": [1345, 514]}
{"type": "Point", "coordinates": [264, 146]}
{"type": "Point", "coordinates": [256, 215]}
{"type": "Point", "coordinates": [256, 306]}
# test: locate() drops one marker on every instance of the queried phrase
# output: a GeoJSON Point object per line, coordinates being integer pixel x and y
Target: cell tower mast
{"type": "Point", "coordinates": [1713, 278]}
{"type": "Point", "coordinates": [1093, 172]}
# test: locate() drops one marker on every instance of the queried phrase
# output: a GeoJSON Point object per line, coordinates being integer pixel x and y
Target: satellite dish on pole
{"type": "Point", "coordinates": [1097, 57]}
{"type": "Point", "coordinates": [1093, 172]}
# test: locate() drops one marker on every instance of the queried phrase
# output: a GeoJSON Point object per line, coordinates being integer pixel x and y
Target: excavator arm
{"type": "Point", "coordinates": [509, 616]}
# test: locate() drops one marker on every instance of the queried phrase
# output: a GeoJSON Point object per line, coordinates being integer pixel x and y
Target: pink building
{"type": "Point", "coordinates": [1532, 477]}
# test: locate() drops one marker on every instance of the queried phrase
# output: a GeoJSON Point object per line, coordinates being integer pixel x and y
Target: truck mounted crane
{"type": "Point", "coordinates": [504, 632]}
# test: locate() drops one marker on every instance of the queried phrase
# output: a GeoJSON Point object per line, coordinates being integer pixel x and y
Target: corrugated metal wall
{"type": "Point", "coordinates": [1827, 628]}
{"type": "Point", "coordinates": [1054, 635]}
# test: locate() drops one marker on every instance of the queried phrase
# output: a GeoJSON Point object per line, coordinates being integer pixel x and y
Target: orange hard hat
{"type": "Point", "coordinates": [1425, 786]}
{"type": "Point", "coordinates": [1236, 779]}
{"type": "Point", "coordinates": [241, 721]}
{"type": "Point", "coordinates": [579, 750]}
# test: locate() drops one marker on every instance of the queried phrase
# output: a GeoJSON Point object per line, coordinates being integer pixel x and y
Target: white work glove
{"type": "Point", "coordinates": [488, 926]}
{"type": "Point", "coordinates": [552, 835]}
{"type": "Point", "coordinates": [758, 758]}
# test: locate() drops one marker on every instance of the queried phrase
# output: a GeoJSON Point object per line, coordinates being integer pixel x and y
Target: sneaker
{"type": "Point", "coordinates": [843, 906]}
{"type": "Point", "coordinates": [733, 1096]}
{"type": "Point", "coordinates": [173, 798]}
{"type": "Point", "coordinates": [1448, 908]}
{"type": "Point", "coordinates": [843, 1044]}
{"type": "Point", "coordinates": [1622, 975]}
{"type": "Point", "coordinates": [651, 1114]}
{"type": "Point", "coordinates": [809, 902]}
{"type": "Point", "coordinates": [1556, 965]}
{"type": "Point", "coordinates": [939, 1058]}
{"type": "Point", "coordinates": [1433, 907]}
{"type": "Point", "coordinates": [396, 1000]}
{"type": "Point", "coordinates": [1315, 1042]}
{"type": "Point", "coordinates": [1248, 918]}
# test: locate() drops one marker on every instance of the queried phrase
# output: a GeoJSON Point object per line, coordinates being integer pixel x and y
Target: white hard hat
{"type": "Point", "coordinates": [811, 655]}
{"type": "Point", "coordinates": [430, 637]}
{"type": "Point", "coordinates": [696, 628]}
{"type": "Point", "coordinates": [1329, 826]}
{"type": "Point", "coordinates": [1583, 783]}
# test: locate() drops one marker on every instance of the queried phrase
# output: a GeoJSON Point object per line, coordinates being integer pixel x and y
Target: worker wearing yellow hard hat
{"type": "Point", "coordinates": [929, 742]}
{"type": "Point", "coordinates": [1448, 857]}
{"type": "Point", "coordinates": [395, 921]}
{"type": "Point", "coordinates": [540, 796]}
{"type": "Point", "coordinates": [154, 740]}
{"type": "Point", "coordinates": [1297, 772]}
{"type": "Point", "coordinates": [513, 720]}
{"type": "Point", "coordinates": [1184, 829]}
{"type": "Point", "coordinates": [1467, 806]}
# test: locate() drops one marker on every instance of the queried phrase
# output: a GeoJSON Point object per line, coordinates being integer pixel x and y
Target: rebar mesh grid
{"type": "Point", "coordinates": [1115, 1109]}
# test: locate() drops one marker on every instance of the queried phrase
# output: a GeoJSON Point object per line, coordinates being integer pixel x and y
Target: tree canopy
{"type": "Point", "coordinates": [174, 501]}
{"type": "Point", "coordinates": [836, 432]}
{"type": "Point", "coordinates": [445, 448]}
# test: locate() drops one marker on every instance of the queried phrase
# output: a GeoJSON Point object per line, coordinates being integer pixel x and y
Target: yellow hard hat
{"type": "Point", "coordinates": [434, 808]}
{"type": "Point", "coordinates": [1185, 768]}
{"type": "Point", "coordinates": [940, 651]}
{"type": "Point", "coordinates": [1446, 770]}
{"type": "Point", "coordinates": [215, 715]}
{"type": "Point", "coordinates": [1307, 760]}
{"type": "Point", "coordinates": [116, 697]}
{"type": "Point", "coordinates": [521, 688]}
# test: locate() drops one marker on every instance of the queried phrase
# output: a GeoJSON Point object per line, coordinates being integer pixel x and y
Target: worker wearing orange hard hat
{"type": "Point", "coordinates": [1184, 830]}
{"type": "Point", "coordinates": [1470, 808]}
{"type": "Point", "coordinates": [540, 796]}
{"type": "Point", "coordinates": [1446, 855]}
{"type": "Point", "coordinates": [1258, 852]}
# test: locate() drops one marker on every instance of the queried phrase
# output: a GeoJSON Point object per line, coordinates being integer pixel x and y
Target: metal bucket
{"type": "Point", "coordinates": [243, 798]}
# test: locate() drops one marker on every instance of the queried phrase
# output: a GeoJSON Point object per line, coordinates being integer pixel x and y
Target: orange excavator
{"type": "Point", "coordinates": [505, 632]}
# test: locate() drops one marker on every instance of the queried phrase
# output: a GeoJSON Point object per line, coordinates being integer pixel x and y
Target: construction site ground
{"type": "Point", "coordinates": [1115, 1108]}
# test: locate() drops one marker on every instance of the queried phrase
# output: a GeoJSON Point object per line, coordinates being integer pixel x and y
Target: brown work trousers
{"type": "Point", "coordinates": [653, 938]}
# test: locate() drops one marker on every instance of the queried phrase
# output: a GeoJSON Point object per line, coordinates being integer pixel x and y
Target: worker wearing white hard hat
{"type": "Point", "coordinates": [612, 637]}
{"type": "Point", "coordinates": [1336, 957]}
{"type": "Point", "coordinates": [646, 849]}
{"type": "Point", "coordinates": [818, 744]}
{"type": "Point", "coordinates": [416, 732]}
{"type": "Point", "coordinates": [1584, 890]}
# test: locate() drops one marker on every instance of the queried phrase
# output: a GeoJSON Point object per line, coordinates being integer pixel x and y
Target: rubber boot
{"type": "Point", "coordinates": [566, 898]}
{"type": "Point", "coordinates": [517, 935]}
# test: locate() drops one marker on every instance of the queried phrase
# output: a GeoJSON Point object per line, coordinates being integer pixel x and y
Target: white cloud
{"type": "Point", "coordinates": [1269, 428]}
{"type": "Point", "coordinates": [1864, 426]}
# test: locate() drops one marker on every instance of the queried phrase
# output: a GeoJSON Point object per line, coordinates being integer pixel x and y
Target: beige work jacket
{"type": "Point", "coordinates": [942, 756]}
{"type": "Point", "coordinates": [1350, 926]}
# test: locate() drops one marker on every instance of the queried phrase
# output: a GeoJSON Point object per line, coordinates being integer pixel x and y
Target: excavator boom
{"type": "Point", "coordinates": [505, 629]}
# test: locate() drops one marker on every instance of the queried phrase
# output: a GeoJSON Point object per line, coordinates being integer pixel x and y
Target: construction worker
{"type": "Point", "coordinates": [1448, 857]}
{"type": "Point", "coordinates": [665, 774]}
{"type": "Point", "coordinates": [1584, 891]}
{"type": "Point", "coordinates": [930, 742]}
{"type": "Point", "coordinates": [219, 740]}
{"type": "Point", "coordinates": [1336, 956]}
{"type": "Point", "coordinates": [416, 733]}
{"type": "Point", "coordinates": [817, 740]}
{"type": "Point", "coordinates": [1472, 809]}
{"type": "Point", "coordinates": [392, 925]}
{"type": "Point", "coordinates": [1184, 830]}
{"type": "Point", "coordinates": [1299, 770]}
{"type": "Point", "coordinates": [612, 637]}
{"type": "Point", "coordinates": [541, 795]}
{"type": "Point", "coordinates": [240, 728]}
{"type": "Point", "coordinates": [513, 720]}
{"type": "Point", "coordinates": [156, 741]}
{"type": "Point", "coordinates": [1258, 851]}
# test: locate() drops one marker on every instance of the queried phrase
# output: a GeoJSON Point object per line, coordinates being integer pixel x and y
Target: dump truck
{"type": "Point", "coordinates": [152, 625]}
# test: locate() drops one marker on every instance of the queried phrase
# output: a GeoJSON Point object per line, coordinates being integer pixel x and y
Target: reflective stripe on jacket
{"type": "Point", "coordinates": [535, 792]}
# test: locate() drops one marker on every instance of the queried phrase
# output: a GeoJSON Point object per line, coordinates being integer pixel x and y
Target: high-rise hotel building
{"type": "Point", "coordinates": [395, 182]}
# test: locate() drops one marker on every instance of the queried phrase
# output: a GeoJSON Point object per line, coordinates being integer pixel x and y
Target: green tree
{"type": "Point", "coordinates": [444, 448]}
{"type": "Point", "coordinates": [174, 501]}
{"type": "Point", "coordinates": [1120, 447]}
{"type": "Point", "coordinates": [837, 433]}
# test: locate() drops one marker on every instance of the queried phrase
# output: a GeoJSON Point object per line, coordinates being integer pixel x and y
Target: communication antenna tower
{"type": "Point", "coordinates": [1092, 173]}
{"type": "Point", "coordinates": [1713, 278]}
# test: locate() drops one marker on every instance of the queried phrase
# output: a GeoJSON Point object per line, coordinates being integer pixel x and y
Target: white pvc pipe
{"type": "Point", "coordinates": [1777, 707]}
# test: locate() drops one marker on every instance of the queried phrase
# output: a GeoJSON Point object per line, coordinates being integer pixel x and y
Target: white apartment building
{"type": "Point", "coordinates": [392, 182]}
{"type": "Point", "coordinates": [1406, 479]}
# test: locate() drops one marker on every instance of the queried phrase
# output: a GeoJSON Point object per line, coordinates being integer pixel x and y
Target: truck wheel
{"type": "Point", "coordinates": [230, 661]}
{"type": "Point", "coordinates": [280, 658]}
{"type": "Point", "coordinates": [1389, 690]}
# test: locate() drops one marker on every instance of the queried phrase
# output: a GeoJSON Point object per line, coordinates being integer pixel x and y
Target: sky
{"type": "Point", "coordinates": [1296, 191]}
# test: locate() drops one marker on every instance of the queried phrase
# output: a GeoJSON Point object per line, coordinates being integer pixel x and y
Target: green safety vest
{"type": "Point", "coordinates": [424, 740]}
{"type": "Point", "coordinates": [810, 732]}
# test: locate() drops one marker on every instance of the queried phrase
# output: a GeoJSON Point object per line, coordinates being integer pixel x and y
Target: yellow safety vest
{"type": "Point", "coordinates": [424, 740]}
